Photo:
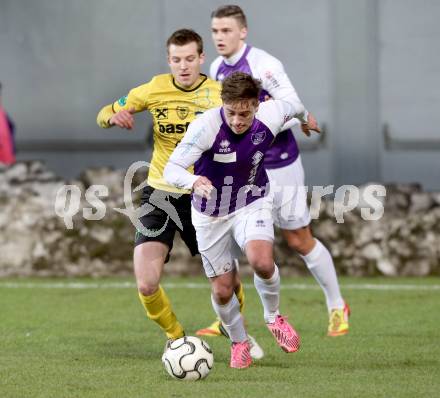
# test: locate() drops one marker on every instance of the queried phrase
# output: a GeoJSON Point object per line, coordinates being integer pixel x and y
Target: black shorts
{"type": "Point", "coordinates": [160, 221]}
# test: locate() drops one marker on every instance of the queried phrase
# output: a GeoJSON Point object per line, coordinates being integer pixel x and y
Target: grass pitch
{"type": "Point", "coordinates": [90, 338]}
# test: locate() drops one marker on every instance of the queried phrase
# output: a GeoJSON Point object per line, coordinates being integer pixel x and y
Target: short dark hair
{"type": "Point", "coordinates": [240, 86]}
{"type": "Point", "coordinates": [185, 36]}
{"type": "Point", "coordinates": [232, 11]}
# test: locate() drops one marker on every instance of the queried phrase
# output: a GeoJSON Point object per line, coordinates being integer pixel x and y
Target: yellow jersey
{"type": "Point", "coordinates": [173, 108]}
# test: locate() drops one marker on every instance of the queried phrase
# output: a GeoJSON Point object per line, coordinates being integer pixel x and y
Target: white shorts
{"type": "Point", "coordinates": [289, 196]}
{"type": "Point", "coordinates": [223, 239]}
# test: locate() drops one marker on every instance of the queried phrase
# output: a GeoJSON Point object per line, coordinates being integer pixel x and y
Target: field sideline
{"type": "Point", "coordinates": [90, 338]}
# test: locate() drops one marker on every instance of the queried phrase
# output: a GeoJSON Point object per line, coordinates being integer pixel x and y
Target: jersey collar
{"type": "Point", "coordinates": [233, 59]}
{"type": "Point", "coordinates": [188, 90]}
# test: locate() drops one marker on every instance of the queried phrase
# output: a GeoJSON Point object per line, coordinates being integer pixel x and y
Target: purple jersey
{"type": "Point", "coordinates": [232, 162]}
{"type": "Point", "coordinates": [238, 176]}
{"type": "Point", "coordinates": [275, 83]}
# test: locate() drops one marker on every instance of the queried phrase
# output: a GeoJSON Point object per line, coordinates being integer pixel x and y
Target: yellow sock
{"type": "Point", "coordinates": [240, 296]}
{"type": "Point", "coordinates": [159, 310]}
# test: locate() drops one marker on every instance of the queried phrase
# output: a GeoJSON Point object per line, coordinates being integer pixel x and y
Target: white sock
{"type": "Point", "coordinates": [320, 263]}
{"type": "Point", "coordinates": [269, 291]}
{"type": "Point", "coordinates": [231, 318]}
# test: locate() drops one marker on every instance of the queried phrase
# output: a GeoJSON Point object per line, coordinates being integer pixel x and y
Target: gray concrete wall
{"type": "Point", "coordinates": [409, 80]}
{"type": "Point", "coordinates": [357, 64]}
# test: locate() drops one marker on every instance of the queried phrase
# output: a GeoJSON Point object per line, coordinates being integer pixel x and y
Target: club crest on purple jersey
{"type": "Point", "coordinates": [258, 137]}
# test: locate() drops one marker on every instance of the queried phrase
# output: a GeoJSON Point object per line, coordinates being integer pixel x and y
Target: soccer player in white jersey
{"type": "Point", "coordinates": [282, 161]}
{"type": "Point", "coordinates": [230, 208]}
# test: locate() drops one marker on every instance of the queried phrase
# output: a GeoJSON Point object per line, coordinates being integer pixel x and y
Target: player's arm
{"type": "Point", "coordinates": [276, 113]}
{"type": "Point", "coordinates": [278, 85]}
{"type": "Point", "coordinates": [306, 128]}
{"type": "Point", "coordinates": [286, 115]}
{"type": "Point", "coordinates": [196, 141]}
{"type": "Point", "coordinates": [121, 112]}
{"type": "Point", "coordinates": [312, 124]}
{"type": "Point", "coordinates": [290, 123]}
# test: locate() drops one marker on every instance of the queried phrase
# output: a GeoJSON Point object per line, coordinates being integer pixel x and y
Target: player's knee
{"type": "Point", "coordinates": [262, 265]}
{"type": "Point", "coordinates": [293, 241]}
{"type": "Point", "coordinates": [223, 293]}
{"type": "Point", "coordinates": [147, 289]}
{"type": "Point", "coordinates": [300, 240]}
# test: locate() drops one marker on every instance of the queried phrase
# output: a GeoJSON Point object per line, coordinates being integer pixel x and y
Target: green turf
{"type": "Point", "coordinates": [98, 343]}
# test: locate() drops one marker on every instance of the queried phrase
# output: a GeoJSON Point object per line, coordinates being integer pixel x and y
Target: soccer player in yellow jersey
{"type": "Point", "coordinates": [174, 99]}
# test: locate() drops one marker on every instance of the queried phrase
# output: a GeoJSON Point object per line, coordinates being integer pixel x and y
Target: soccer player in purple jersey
{"type": "Point", "coordinates": [230, 209]}
{"type": "Point", "coordinates": [282, 162]}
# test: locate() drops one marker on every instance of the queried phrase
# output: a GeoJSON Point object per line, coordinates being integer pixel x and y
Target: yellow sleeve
{"type": "Point", "coordinates": [136, 99]}
{"type": "Point", "coordinates": [104, 116]}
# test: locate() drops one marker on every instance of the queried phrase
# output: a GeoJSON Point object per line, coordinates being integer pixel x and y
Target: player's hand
{"type": "Point", "coordinates": [203, 187]}
{"type": "Point", "coordinates": [123, 119]}
{"type": "Point", "coordinates": [267, 97]}
{"type": "Point", "coordinates": [311, 125]}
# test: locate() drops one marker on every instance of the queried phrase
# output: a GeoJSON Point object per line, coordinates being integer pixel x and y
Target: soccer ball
{"type": "Point", "coordinates": [188, 358]}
